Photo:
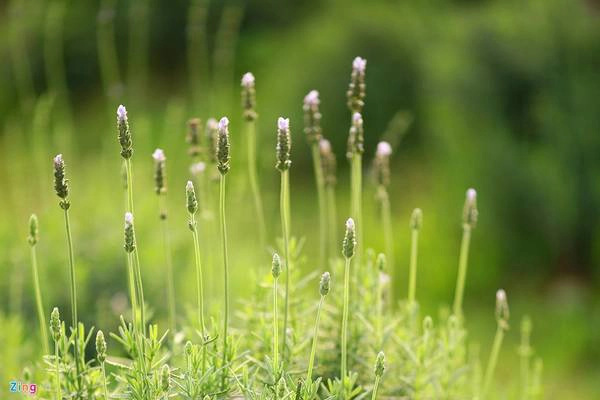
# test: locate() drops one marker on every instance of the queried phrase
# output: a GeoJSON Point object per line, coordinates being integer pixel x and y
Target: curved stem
{"type": "Point", "coordinates": [39, 302]}
{"type": "Point", "coordinates": [462, 270]}
{"type": "Point", "coordinates": [226, 274]}
{"type": "Point", "coordinates": [320, 181]}
{"type": "Point", "coordinates": [313, 350]}
{"type": "Point", "coordinates": [344, 367]}
{"type": "Point", "coordinates": [412, 279]}
{"type": "Point", "coordinates": [74, 318]}
{"type": "Point", "coordinates": [253, 177]}
{"type": "Point", "coordinates": [283, 206]}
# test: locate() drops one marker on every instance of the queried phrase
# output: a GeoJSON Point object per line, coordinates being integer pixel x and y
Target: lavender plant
{"type": "Point", "coordinates": [382, 179]}
{"type": "Point", "coordinates": [192, 208]}
{"type": "Point", "coordinates": [160, 187]}
{"type": "Point", "coordinates": [470, 215]}
{"type": "Point", "coordinates": [416, 221]}
{"type": "Point", "coordinates": [250, 117]}
{"type": "Point", "coordinates": [502, 321]}
{"type": "Point", "coordinates": [329, 165]}
{"type": "Point", "coordinates": [312, 129]}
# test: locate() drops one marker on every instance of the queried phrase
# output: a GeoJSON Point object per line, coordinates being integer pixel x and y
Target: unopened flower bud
{"type": "Point", "coordinates": [194, 137]}
{"type": "Point", "coordinates": [124, 132]}
{"type": "Point", "coordinates": [502, 312]}
{"type": "Point", "coordinates": [129, 233]}
{"type": "Point", "coordinates": [284, 144]}
{"type": "Point", "coordinates": [312, 117]}
{"type": "Point", "coordinates": [165, 378]}
{"type": "Point", "coordinates": [324, 284]}
{"type": "Point", "coordinates": [61, 183]}
{"type": "Point", "coordinates": [416, 219]}
{"type": "Point", "coordinates": [191, 201]}
{"type": "Point", "coordinates": [470, 212]}
{"type": "Point", "coordinates": [160, 174]}
{"type": "Point", "coordinates": [357, 89]}
{"type": "Point", "coordinates": [381, 164]}
{"type": "Point", "coordinates": [55, 324]}
{"type": "Point", "coordinates": [380, 365]}
{"type": "Point", "coordinates": [212, 134]}
{"type": "Point", "coordinates": [328, 162]}
{"type": "Point", "coordinates": [356, 136]}
{"type": "Point", "coordinates": [276, 266]}
{"type": "Point", "coordinates": [349, 243]}
{"type": "Point", "coordinates": [33, 230]}
{"type": "Point", "coordinates": [100, 347]}
{"type": "Point", "coordinates": [223, 157]}
{"type": "Point", "coordinates": [249, 97]}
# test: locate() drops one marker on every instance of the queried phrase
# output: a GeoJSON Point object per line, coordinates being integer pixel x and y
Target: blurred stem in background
{"type": "Point", "coordinates": [138, 62]}
{"type": "Point", "coordinates": [470, 215]}
{"type": "Point", "coordinates": [197, 52]}
{"type": "Point", "coordinates": [56, 75]}
{"type": "Point", "coordinates": [21, 65]}
{"type": "Point", "coordinates": [224, 53]}
{"type": "Point", "coordinates": [525, 356]}
{"type": "Point", "coordinates": [108, 59]}
{"type": "Point", "coordinates": [32, 240]}
{"type": "Point", "coordinates": [502, 315]}
{"type": "Point", "coordinates": [416, 221]}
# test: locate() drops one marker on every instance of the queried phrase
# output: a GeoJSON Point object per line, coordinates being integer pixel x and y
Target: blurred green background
{"type": "Point", "coordinates": [497, 95]}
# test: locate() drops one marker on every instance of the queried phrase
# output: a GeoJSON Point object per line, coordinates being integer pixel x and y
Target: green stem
{"type": "Point", "coordinates": [412, 279]}
{"type": "Point", "coordinates": [39, 302]}
{"type": "Point", "coordinates": [58, 389]}
{"type": "Point", "coordinates": [199, 281]}
{"type": "Point", "coordinates": [74, 318]}
{"type": "Point", "coordinates": [462, 270]}
{"type": "Point", "coordinates": [104, 382]}
{"type": "Point", "coordinates": [375, 388]}
{"type": "Point", "coordinates": [275, 330]}
{"type": "Point", "coordinates": [197, 51]}
{"type": "Point", "coordinates": [332, 219]}
{"type": "Point", "coordinates": [386, 220]}
{"type": "Point", "coordinates": [356, 184]}
{"type": "Point", "coordinates": [169, 263]}
{"type": "Point", "coordinates": [344, 367]}
{"type": "Point", "coordinates": [226, 274]}
{"type": "Point", "coordinates": [132, 296]}
{"type": "Point", "coordinates": [379, 328]}
{"type": "Point", "coordinates": [108, 60]}
{"type": "Point", "coordinates": [253, 177]}
{"type": "Point", "coordinates": [320, 181]}
{"type": "Point", "coordinates": [489, 372]}
{"type": "Point", "coordinates": [285, 232]}
{"type": "Point", "coordinates": [313, 349]}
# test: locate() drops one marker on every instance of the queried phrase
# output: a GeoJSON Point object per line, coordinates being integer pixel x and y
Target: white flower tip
{"type": "Point", "coordinates": [350, 224]}
{"type": "Point", "coordinates": [359, 64]}
{"type": "Point", "coordinates": [121, 113]}
{"type": "Point", "coordinates": [128, 218]}
{"type": "Point", "coordinates": [283, 123]}
{"type": "Point", "coordinates": [501, 296]}
{"type": "Point", "coordinates": [324, 145]}
{"type": "Point", "coordinates": [197, 168]}
{"type": "Point", "coordinates": [189, 185]}
{"type": "Point", "coordinates": [58, 159]}
{"type": "Point", "coordinates": [357, 119]}
{"type": "Point", "coordinates": [471, 194]}
{"type": "Point", "coordinates": [384, 149]}
{"type": "Point", "coordinates": [224, 124]}
{"type": "Point", "coordinates": [312, 98]}
{"type": "Point", "coordinates": [248, 80]}
{"type": "Point", "coordinates": [212, 123]}
{"type": "Point", "coordinates": [159, 155]}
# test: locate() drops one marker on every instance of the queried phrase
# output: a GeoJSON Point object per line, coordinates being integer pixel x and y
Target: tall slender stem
{"type": "Point", "coordinates": [132, 295]}
{"type": "Point", "coordinates": [169, 263]}
{"type": "Point", "coordinates": [275, 329]}
{"type": "Point", "coordinates": [284, 211]}
{"type": "Point", "coordinates": [386, 220]}
{"type": "Point", "coordinates": [253, 178]}
{"type": "Point", "coordinates": [199, 281]}
{"type": "Point", "coordinates": [379, 321]}
{"type": "Point", "coordinates": [344, 367]}
{"type": "Point", "coordinates": [226, 274]}
{"type": "Point", "coordinates": [104, 382]}
{"type": "Point", "coordinates": [313, 350]}
{"type": "Point", "coordinates": [356, 212]}
{"type": "Point", "coordinates": [375, 388]}
{"type": "Point", "coordinates": [462, 270]}
{"type": "Point", "coordinates": [491, 366]}
{"type": "Point", "coordinates": [332, 218]}
{"type": "Point", "coordinates": [56, 359]}
{"type": "Point", "coordinates": [412, 279]}
{"type": "Point", "coordinates": [320, 181]}
{"type": "Point", "coordinates": [39, 302]}
{"type": "Point", "coordinates": [74, 318]}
